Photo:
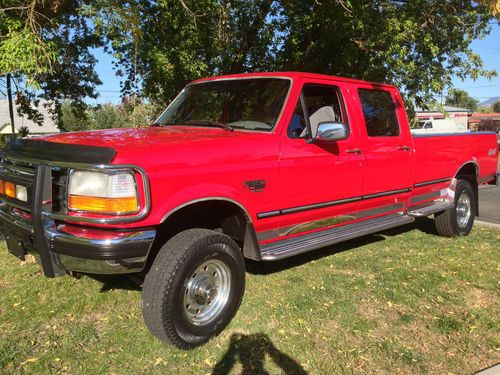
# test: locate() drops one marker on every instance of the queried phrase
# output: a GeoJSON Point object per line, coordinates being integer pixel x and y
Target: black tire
{"type": "Point", "coordinates": [451, 223]}
{"type": "Point", "coordinates": [172, 280]}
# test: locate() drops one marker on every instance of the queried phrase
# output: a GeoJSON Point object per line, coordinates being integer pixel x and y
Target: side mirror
{"type": "Point", "coordinates": [331, 131]}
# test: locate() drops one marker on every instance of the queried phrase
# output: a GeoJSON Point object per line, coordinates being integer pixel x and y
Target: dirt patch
{"type": "Point", "coordinates": [480, 298]}
{"type": "Point", "coordinates": [375, 310]}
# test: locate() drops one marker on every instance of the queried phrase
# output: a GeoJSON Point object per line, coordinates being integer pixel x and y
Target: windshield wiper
{"type": "Point", "coordinates": [209, 123]}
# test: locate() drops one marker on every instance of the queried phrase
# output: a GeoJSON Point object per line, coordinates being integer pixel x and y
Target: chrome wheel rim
{"type": "Point", "coordinates": [206, 291]}
{"type": "Point", "coordinates": [463, 210]}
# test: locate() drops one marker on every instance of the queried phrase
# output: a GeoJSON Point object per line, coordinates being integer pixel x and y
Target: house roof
{"type": "Point", "coordinates": [478, 117]}
{"type": "Point", "coordinates": [446, 108]}
{"type": "Point", "coordinates": [486, 115]}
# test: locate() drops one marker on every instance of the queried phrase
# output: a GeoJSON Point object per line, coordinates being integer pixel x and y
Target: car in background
{"type": "Point", "coordinates": [439, 126]}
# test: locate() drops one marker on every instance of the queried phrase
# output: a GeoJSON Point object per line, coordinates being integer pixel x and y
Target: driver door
{"type": "Point", "coordinates": [320, 182]}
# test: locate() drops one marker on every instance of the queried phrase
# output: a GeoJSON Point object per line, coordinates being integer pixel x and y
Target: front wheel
{"type": "Point", "coordinates": [458, 220]}
{"type": "Point", "coordinates": [193, 288]}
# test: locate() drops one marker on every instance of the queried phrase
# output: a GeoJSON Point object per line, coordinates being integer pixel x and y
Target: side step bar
{"type": "Point", "coordinates": [298, 245]}
{"type": "Point", "coordinates": [429, 208]}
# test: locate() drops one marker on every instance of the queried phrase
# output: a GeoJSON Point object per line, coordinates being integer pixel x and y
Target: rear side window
{"type": "Point", "coordinates": [379, 112]}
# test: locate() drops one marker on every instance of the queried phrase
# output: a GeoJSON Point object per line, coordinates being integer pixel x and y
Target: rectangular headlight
{"type": "Point", "coordinates": [21, 193]}
{"type": "Point", "coordinates": [103, 192]}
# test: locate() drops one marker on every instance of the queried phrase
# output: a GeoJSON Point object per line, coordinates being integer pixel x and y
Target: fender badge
{"type": "Point", "coordinates": [255, 186]}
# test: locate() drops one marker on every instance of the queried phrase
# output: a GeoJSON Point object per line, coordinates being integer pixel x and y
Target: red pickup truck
{"type": "Point", "coordinates": [259, 166]}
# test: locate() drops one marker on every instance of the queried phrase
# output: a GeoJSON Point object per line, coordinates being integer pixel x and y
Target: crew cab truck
{"type": "Point", "coordinates": [259, 166]}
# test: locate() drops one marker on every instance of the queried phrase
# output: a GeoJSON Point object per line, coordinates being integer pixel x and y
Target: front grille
{"type": "Point", "coordinates": [20, 173]}
{"type": "Point", "coordinates": [17, 169]}
{"type": "Point", "coordinates": [24, 173]}
{"type": "Point", "coordinates": [59, 186]}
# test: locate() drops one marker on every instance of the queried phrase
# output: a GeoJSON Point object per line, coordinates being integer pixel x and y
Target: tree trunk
{"type": "Point", "coordinates": [11, 107]}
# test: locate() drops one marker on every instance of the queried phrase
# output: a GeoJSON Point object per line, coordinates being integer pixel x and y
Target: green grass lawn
{"type": "Point", "coordinates": [396, 303]}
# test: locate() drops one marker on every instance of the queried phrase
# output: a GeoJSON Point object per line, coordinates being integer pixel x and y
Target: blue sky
{"type": "Point", "coordinates": [489, 50]}
{"type": "Point", "coordinates": [481, 89]}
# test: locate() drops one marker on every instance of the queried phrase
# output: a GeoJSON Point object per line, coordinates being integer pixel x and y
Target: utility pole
{"type": "Point", "coordinates": [11, 107]}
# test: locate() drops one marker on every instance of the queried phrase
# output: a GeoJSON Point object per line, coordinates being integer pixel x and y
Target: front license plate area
{"type": "Point", "coordinates": [15, 246]}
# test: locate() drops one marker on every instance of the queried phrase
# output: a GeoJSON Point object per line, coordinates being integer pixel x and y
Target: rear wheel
{"type": "Point", "coordinates": [193, 288]}
{"type": "Point", "coordinates": [458, 220]}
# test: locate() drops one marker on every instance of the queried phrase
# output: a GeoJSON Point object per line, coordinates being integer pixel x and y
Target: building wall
{"type": "Point", "coordinates": [460, 119]}
{"type": "Point", "coordinates": [48, 125]}
{"type": "Point", "coordinates": [485, 122]}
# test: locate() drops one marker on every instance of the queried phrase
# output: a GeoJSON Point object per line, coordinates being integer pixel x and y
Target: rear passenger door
{"type": "Point", "coordinates": [386, 150]}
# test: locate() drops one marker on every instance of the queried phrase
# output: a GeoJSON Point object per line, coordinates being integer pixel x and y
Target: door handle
{"type": "Point", "coordinates": [404, 148]}
{"type": "Point", "coordinates": [353, 151]}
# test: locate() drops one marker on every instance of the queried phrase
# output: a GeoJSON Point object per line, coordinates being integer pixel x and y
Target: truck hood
{"type": "Point", "coordinates": [126, 138]}
{"type": "Point", "coordinates": [167, 145]}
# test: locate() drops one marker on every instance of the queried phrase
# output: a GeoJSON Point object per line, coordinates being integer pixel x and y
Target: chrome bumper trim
{"type": "Point", "coordinates": [18, 223]}
{"type": "Point", "coordinates": [99, 267]}
{"type": "Point", "coordinates": [121, 254]}
{"type": "Point", "coordinates": [132, 244]}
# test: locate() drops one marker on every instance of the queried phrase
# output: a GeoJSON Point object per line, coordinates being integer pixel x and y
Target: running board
{"type": "Point", "coordinates": [298, 245]}
{"type": "Point", "coordinates": [429, 208]}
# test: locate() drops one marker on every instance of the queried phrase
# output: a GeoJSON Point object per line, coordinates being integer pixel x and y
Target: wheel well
{"type": "Point", "coordinates": [469, 172]}
{"type": "Point", "coordinates": [219, 215]}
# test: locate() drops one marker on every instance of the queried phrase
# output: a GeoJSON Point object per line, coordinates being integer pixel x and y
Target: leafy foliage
{"type": "Point", "coordinates": [47, 46]}
{"type": "Point", "coordinates": [417, 45]}
{"type": "Point", "coordinates": [460, 98]}
{"type": "Point", "coordinates": [496, 106]}
{"type": "Point", "coordinates": [72, 118]}
{"type": "Point", "coordinates": [161, 45]}
{"type": "Point", "coordinates": [128, 114]}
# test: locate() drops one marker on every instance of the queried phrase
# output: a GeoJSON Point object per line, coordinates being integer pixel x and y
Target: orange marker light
{"type": "Point", "coordinates": [10, 189]}
{"type": "Point", "coordinates": [1, 187]}
{"type": "Point", "coordinates": [102, 205]}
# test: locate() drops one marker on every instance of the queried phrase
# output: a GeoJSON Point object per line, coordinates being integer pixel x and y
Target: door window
{"type": "Point", "coordinates": [379, 112]}
{"type": "Point", "coordinates": [322, 104]}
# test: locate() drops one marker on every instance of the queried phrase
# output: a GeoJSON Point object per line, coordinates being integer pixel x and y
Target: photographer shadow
{"type": "Point", "coordinates": [251, 351]}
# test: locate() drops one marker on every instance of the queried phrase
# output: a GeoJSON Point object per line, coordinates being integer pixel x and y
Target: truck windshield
{"type": "Point", "coordinates": [251, 104]}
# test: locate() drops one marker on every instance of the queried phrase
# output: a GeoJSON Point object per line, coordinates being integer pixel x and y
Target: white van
{"type": "Point", "coordinates": [438, 126]}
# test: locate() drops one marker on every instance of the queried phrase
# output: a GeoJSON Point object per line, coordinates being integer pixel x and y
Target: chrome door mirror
{"type": "Point", "coordinates": [331, 131]}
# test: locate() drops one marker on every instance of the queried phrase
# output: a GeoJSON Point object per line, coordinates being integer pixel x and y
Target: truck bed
{"type": "Point", "coordinates": [440, 156]}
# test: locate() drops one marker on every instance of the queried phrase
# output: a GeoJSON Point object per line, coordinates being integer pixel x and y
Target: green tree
{"type": "Point", "coordinates": [417, 45]}
{"type": "Point", "coordinates": [130, 113]}
{"type": "Point", "coordinates": [106, 116]}
{"type": "Point", "coordinates": [160, 45]}
{"type": "Point", "coordinates": [136, 112]}
{"type": "Point", "coordinates": [460, 98]}
{"type": "Point", "coordinates": [46, 47]}
{"type": "Point", "coordinates": [73, 118]}
{"type": "Point", "coordinates": [496, 106]}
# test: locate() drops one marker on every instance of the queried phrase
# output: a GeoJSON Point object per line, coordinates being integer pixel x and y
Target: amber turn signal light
{"type": "Point", "coordinates": [103, 205]}
{"type": "Point", "coordinates": [10, 189]}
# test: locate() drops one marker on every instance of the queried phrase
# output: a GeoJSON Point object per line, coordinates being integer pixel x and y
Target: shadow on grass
{"type": "Point", "coordinates": [423, 224]}
{"type": "Point", "coordinates": [123, 282]}
{"type": "Point", "coordinates": [265, 268]}
{"type": "Point", "coordinates": [251, 352]}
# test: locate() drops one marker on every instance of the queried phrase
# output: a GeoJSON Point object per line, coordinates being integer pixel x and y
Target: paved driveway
{"type": "Point", "coordinates": [489, 204]}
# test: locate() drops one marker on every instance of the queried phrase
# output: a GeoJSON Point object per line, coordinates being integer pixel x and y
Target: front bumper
{"type": "Point", "coordinates": [73, 248]}
{"type": "Point", "coordinates": [61, 247]}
